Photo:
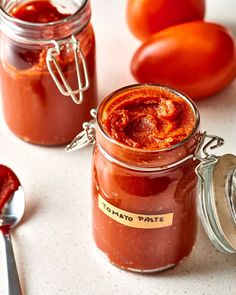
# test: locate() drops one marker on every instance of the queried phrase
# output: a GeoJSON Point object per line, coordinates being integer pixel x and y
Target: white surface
{"type": "Point", "coordinates": [54, 249]}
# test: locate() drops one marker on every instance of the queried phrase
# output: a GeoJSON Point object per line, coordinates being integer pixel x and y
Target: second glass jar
{"type": "Point", "coordinates": [47, 69]}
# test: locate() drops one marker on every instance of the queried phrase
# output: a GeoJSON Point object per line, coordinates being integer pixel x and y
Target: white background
{"type": "Point", "coordinates": [54, 249]}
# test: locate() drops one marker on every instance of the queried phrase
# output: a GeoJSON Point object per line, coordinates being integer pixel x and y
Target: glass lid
{"type": "Point", "coordinates": [217, 198]}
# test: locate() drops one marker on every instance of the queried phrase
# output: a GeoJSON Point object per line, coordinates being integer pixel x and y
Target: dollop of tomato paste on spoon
{"type": "Point", "coordinates": [9, 183]}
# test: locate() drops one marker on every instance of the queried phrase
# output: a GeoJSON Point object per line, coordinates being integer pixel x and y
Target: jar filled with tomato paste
{"type": "Point", "coordinates": [47, 68]}
{"type": "Point", "coordinates": [148, 148]}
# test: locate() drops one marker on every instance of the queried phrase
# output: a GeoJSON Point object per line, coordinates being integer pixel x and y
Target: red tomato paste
{"type": "Point", "coordinates": [37, 12]}
{"type": "Point", "coordinates": [9, 183]}
{"type": "Point", "coordinates": [144, 211]}
{"type": "Point", "coordinates": [154, 121]}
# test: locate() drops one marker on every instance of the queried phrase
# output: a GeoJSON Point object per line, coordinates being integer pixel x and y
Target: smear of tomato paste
{"type": "Point", "coordinates": [9, 183]}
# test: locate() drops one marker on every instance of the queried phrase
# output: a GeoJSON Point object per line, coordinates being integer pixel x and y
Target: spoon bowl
{"type": "Point", "coordinates": [13, 211]}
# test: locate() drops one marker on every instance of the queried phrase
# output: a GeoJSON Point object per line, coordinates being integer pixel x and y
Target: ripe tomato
{"type": "Point", "coordinates": [196, 58]}
{"type": "Point", "coordinates": [146, 17]}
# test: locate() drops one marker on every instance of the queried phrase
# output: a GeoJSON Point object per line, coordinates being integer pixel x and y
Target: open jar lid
{"type": "Point", "coordinates": [217, 199]}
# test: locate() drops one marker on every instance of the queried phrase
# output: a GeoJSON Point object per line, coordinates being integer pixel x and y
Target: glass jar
{"type": "Point", "coordinates": [145, 201]}
{"type": "Point", "coordinates": [47, 70]}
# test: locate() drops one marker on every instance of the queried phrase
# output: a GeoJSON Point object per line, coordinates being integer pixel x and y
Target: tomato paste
{"type": "Point", "coordinates": [9, 183]}
{"type": "Point", "coordinates": [154, 121]}
{"type": "Point", "coordinates": [34, 108]}
{"type": "Point", "coordinates": [144, 182]}
{"type": "Point", "coordinates": [37, 12]}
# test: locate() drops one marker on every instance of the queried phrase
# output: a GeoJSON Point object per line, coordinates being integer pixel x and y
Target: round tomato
{"type": "Point", "coordinates": [146, 17]}
{"type": "Point", "coordinates": [196, 58]}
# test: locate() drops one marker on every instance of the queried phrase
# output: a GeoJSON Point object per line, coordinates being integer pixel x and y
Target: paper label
{"type": "Point", "coordinates": [133, 219]}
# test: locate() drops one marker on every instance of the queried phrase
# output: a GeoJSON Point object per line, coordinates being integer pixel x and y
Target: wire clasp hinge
{"type": "Point", "coordinates": [86, 137]}
{"type": "Point", "coordinates": [81, 69]}
{"type": "Point", "coordinates": [202, 152]}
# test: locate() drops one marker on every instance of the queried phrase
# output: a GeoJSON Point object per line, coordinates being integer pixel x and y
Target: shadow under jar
{"type": "Point", "coordinates": [144, 181]}
{"type": "Point", "coordinates": [47, 69]}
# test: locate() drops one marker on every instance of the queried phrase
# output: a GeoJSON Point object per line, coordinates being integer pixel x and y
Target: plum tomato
{"type": "Point", "coordinates": [197, 58]}
{"type": "Point", "coordinates": [146, 17]}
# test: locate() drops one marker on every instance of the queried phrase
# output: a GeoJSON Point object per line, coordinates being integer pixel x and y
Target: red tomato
{"type": "Point", "coordinates": [146, 17]}
{"type": "Point", "coordinates": [196, 58]}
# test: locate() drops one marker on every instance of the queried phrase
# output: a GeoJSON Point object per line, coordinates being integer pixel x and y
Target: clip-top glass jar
{"type": "Point", "coordinates": [144, 200]}
{"type": "Point", "coordinates": [148, 156]}
{"type": "Point", "coordinates": [48, 75]}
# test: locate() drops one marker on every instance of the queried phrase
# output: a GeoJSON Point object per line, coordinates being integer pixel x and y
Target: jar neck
{"type": "Point", "coordinates": [143, 159]}
{"type": "Point", "coordinates": [146, 160]}
{"type": "Point", "coordinates": [23, 31]}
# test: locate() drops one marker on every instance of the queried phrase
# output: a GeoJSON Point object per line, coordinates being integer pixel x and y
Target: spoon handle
{"type": "Point", "coordinates": [12, 275]}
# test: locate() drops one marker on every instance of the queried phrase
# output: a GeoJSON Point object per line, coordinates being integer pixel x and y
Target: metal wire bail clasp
{"type": "Point", "coordinates": [54, 68]}
{"type": "Point", "coordinates": [202, 152]}
{"type": "Point", "coordinates": [86, 137]}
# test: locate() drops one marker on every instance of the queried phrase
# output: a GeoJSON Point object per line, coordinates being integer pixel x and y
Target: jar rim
{"type": "Point", "coordinates": [149, 85]}
{"type": "Point", "coordinates": [29, 32]}
{"type": "Point", "coordinates": [38, 25]}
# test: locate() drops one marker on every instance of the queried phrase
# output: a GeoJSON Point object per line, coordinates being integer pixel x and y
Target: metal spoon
{"type": "Point", "coordinates": [10, 216]}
